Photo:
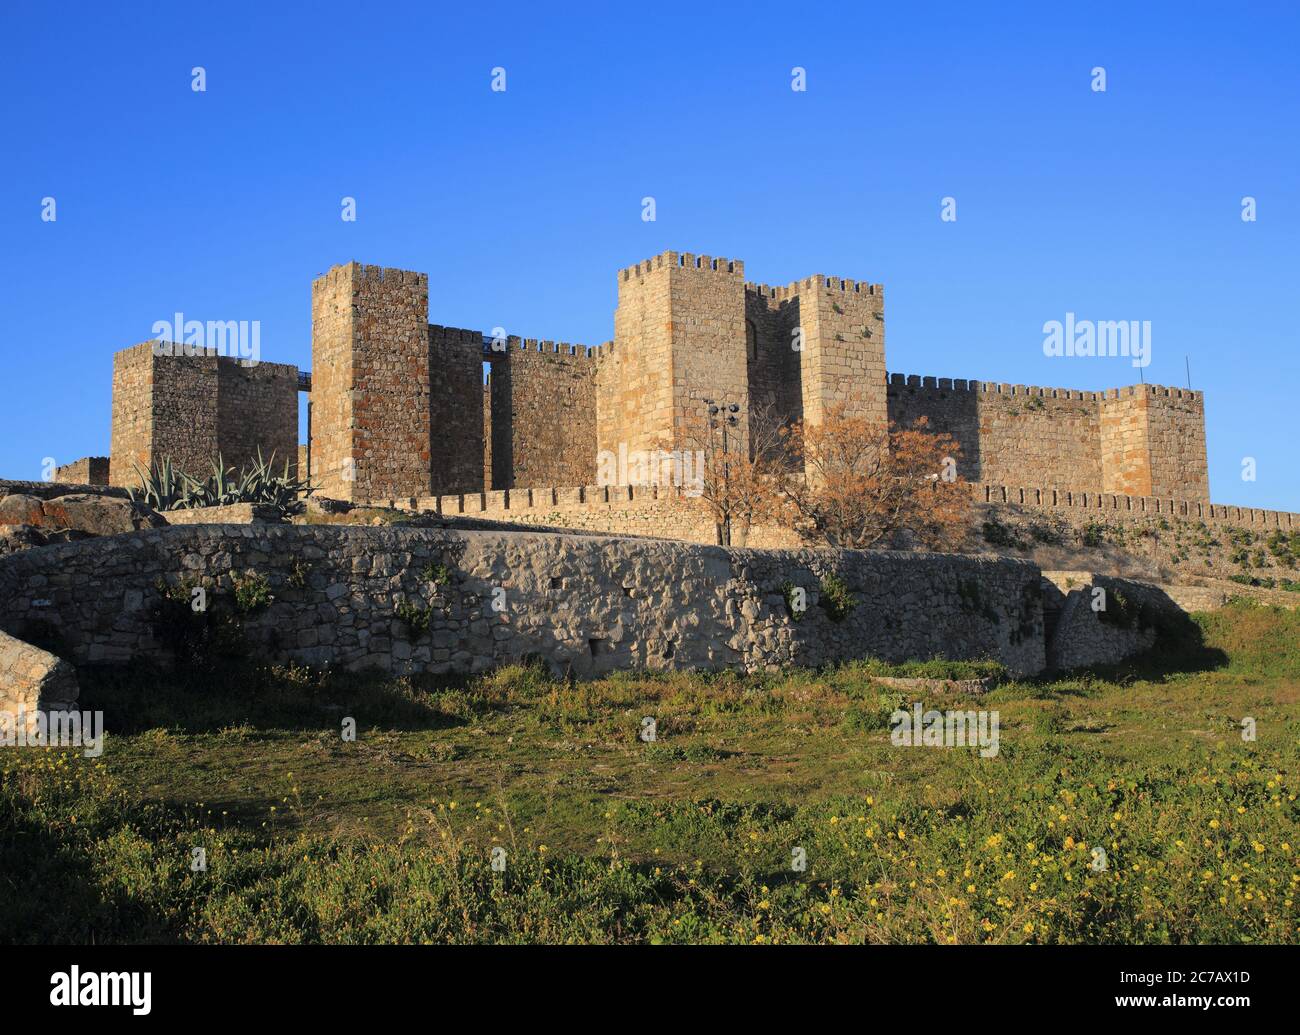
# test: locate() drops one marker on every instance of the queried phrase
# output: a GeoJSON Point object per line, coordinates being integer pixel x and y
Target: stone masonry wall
{"type": "Point", "coordinates": [1086, 636]}
{"type": "Point", "coordinates": [679, 337]}
{"type": "Point", "coordinates": [843, 356]}
{"type": "Point", "coordinates": [773, 362]}
{"type": "Point", "coordinates": [186, 414]}
{"type": "Point", "coordinates": [584, 604]}
{"type": "Point", "coordinates": [1125, 445]}
{"type": "Point", "coordinates": [707, 326]}
{"type": "Point", "coordinates": [89, 470]}
{"type": "Point", "coordinates": [662, 512]}
{"type": "Point", "coordinates": [257, 409]}
{"type": "Point", "coordinates": [1153, 442]}
{"type": "Point", "coordinates": [634, 398]}
{"type": "Point", "coordinates": [131, 441]}
{"type": "Point", "coordinates": [1008, 434]}
{"type": "Point", "coordinates": [1176, 437]}
{"type": "Point", "coordinates": [543, 410]}
{"type": "Point", "coordinates": [31, 678]}
{"type": "Point", "coordinates": [458, 435]}
{"type": "Point", "coordinates": [1142, 440]}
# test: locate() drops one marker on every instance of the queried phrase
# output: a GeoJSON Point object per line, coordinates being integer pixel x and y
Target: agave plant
{"type": "Point", "coordinates": [164, 487]}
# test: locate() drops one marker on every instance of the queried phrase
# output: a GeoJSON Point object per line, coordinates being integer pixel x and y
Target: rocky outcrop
{"type": "Point", "coordinates": [49, 490]}
{"type": "Point", "coordinates": [85, 513]}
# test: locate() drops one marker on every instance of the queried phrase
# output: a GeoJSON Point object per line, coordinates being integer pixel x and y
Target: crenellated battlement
{"type": "Point", "coordinates": [683, 260]}
{"type": "Point", "coordinates": [440, 335]}
{"type": "Point", "coordinates": [547, 348]}
{"type": "Point", "coordinates": [360, 273]}
{"type": "Point", "coordinates": [957, 384]}
{"type": "Point", "coordinates": [1103, 503]}
{"type": "Point", "coordinates": [819, 282]}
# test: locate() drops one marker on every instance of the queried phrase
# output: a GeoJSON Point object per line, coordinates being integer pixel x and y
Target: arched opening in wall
{"type": "Point", "coordinates": [751, 340]}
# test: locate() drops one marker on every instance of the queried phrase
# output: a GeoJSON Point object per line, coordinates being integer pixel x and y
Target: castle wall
{"type": "Point", "coordinates": [586, 604]}
{"type": "Point", "coordinates": [131, 441]}
{"type": "Point", "coordinates": [1176, 436]}
{"type": "Point", "coordinates": [1009, 434]}
{"type": "Point", "coordinates": [635, 397]}
{"type": "Point", "coordinates": [89, 470]}
{"type": "Point", "coordinates": [658, 511]}
{"type": "Point", "coordinates": [773, 363]}
{"type": "Point", "coordinates": [543, 413]}
{"type": "Point", "coordinates": [688, 328]}
{"type": "Point", "coordinates": [456, 416]}
{"type": "Point", "coordinates": [186, 410]}
{"type": "Point", "coordinates": [487, 433]}
{"type": "Point", "coordinates": [843, 356]}
{"type": "Point", "coordinates": [257, 408]}
{"type": "Point", "coordinates": [370, 383]}
{"type": "Point", "coordinates": [707, 321]}
{"type": "Point", "coordinates": [1153, 442]}
{"type": "Point", "coordinates": [1125, 444]}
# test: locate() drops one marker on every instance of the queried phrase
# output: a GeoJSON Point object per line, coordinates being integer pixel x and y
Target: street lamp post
{"type": "Point", "coordinates": [725, 414]}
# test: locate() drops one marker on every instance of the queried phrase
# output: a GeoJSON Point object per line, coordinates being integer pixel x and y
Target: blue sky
{"type": "Point", "coordinates": [522, 205]}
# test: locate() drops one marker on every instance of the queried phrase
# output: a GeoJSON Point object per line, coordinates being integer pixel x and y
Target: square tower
{"type": "Point", "coordinates": [370, 383]}
{"type": "Point", "coordinates": [1153, 442]}
{"type": "Point", "coordinates": [187, 405]}
{"type": "Point", "coordinates": [843, 355]}
{"type": "Point", "coordinates": [679, 338]}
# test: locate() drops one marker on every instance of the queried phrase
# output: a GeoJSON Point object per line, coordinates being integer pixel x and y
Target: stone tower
{"type": "Point", "coordinates": [370, 383]}
{"type": "Point", "coordinates": [1153, 442]}
{"type": "Point", "coordinates": [188, 405]}
{"type": "Point", "coordinates": [679, 338]}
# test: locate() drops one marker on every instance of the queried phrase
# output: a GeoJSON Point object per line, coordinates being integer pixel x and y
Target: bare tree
{"type": "Point", "coordinates": [740, 463]}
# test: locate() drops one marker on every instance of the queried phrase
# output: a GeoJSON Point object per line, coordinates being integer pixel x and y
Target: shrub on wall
{"type": "Point", "coordinates": [836, 600]}
{"type": "Point", "coordinates": [417, 618]}
{"type": "Point", "coordinates": [252, 591]}
{"type": "Point", "coordinates": [196, 624]}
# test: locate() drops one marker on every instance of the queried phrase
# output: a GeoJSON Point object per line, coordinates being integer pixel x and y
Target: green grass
{"type": "Point", "coordinates": [310, 838]}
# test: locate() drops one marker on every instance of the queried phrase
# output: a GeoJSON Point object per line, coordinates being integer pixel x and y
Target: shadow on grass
{"type": "Point", "coordinates": [142, 697]}
{"type": "Point", "coordinates": [1180, 649]}
{"type": "Point", "coordinates": [53, 894]}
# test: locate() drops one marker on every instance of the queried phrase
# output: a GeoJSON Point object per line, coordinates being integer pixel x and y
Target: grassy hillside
{"type": "Point", "coordinates": [309, 837]}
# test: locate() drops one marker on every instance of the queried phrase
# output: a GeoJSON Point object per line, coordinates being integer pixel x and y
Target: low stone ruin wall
{"type": "Point", "coordinates": [231, 514]}
{"type": "Point", "coordinates": [1103, 619]}
{"type": "Point", "coordinates": [407, 600]}
{"type": "Point", "coordinates": [31, 678]}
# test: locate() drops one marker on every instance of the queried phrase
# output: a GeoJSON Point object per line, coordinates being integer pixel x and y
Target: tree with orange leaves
{"type": "Point", "coordinates": [864, 484]}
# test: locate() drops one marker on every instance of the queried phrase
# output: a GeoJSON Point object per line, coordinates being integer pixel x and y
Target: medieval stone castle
{"type": "Point", "coordinates": [401, 408]}
{"type": "Point", "coordinates": [482, 434]}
